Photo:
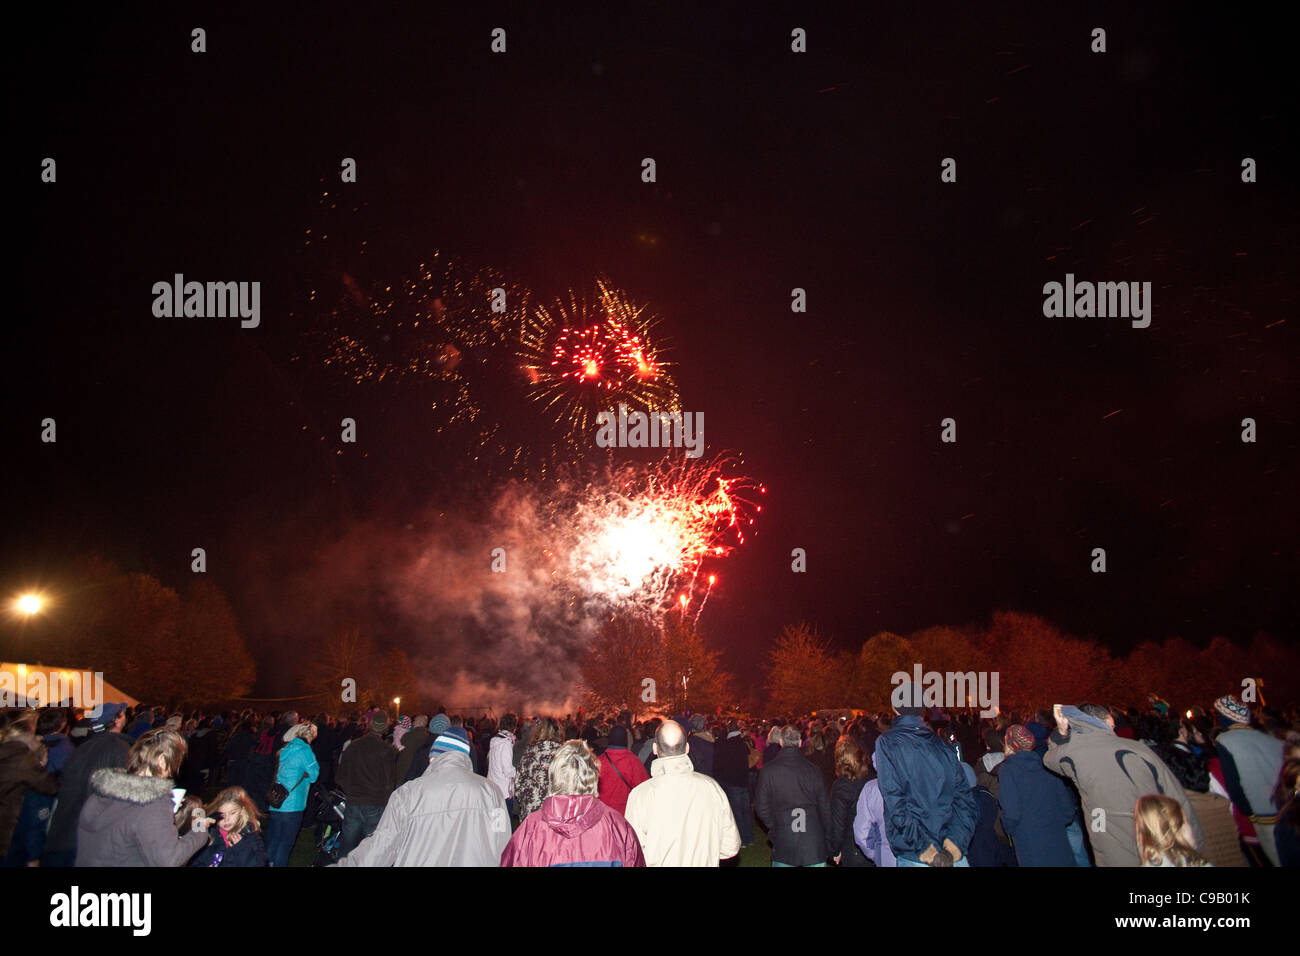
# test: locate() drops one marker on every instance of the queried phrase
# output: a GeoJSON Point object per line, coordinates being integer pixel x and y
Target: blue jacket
{"type": "Point", "coordinates": [1036, 809]}
{"type": "Point", "coordinates": [927, 798]}
{"type": "Point", "coordinates": [296, 759]}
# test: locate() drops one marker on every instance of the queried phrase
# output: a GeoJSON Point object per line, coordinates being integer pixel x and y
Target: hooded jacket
{"type": "Point", "coordinates": [573, 830]}
{"type": "Point", "coordinates": [128, 821]}
{"type": "Point", "coordinates": [448, 817]}
{"type": "Point", "coordinates": [682, 817]}
{"type": "Point", "coordinates": [926, 794]}
{"type": "Point", "coordinates": [1111, 773]}
{"type": "Point", "coordinates": [794, 804]}
{"type": "Point", "coordinates": [297, 771]}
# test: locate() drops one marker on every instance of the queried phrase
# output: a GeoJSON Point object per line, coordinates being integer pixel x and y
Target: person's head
{"type": "Point", "coordinates": [573, 770]}
{"type": "Point", "coordinates": [1098, 711]}
{"type": "Point", "coordinates": [1017, 738]}
{"type": "Point", "coordinates": [421, 720]}
{"type": "Point", "coordinates": [51, 720]}
{"type": "Point", "coordinates": [234, 810]}
{"type": "Point", "coordinates": [548, 731]}
{"type": "Point", "coordinates": [850, 759]}
{"type": "Point", "coordinates": [618, 736]}
{"type": "Point", "coordinates": [1163, 832]}
{"type": "Point", "coordinates": [509, 723]}
{"type": "Point", "coordinates": [20, 725]}
{"type": "Point", "coordinates": [379, 722]}
{"type": "Point", "coordinates": [289, 717]}
{"type": "Point", "coordinates": [670, 740]}
{"type": "Point", "coordinates": [306, 731]}
{"type": "Point", "coordinates": [790, 737]}
{"type": "Point", "coordinates": [158, 753]}
{"type": "Point", "coordinates": [774, 736]}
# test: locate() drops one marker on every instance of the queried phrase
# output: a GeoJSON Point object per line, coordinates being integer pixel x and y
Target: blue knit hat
{"type": "Point", "coordinates": [453, 740]}
{"type": "Point", "coordinates": [439, 724]}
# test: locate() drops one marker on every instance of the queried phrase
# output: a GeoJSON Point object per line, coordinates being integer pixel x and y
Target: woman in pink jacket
{"type": "Point", "coordinates": [573, 828]}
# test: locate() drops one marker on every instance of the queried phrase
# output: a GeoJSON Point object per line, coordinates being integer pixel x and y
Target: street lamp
{"type": "Point", "coordinates": [397, 704]}
{"type": "Point", "coordinates": [29, 604]}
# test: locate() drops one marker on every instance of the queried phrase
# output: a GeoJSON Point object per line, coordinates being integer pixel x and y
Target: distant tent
{"type": "Point", "coordinates": [36, 685]}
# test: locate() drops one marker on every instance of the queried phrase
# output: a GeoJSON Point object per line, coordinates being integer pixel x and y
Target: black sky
{"type": "Point", "coordinates": [775, 170]}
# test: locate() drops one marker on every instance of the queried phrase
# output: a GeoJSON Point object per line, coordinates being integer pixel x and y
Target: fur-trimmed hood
{"type": "Point", "coordinates": [114, 783]}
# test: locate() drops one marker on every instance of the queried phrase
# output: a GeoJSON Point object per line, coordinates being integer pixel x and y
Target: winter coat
{"type": "Point", "coordinates": [845, 794]}
{"type": "Point", "coordinates": [731, 762]}
{"type": "Point", "coordinates": [927, 798]}
{"type": "Point", "coordinates": [1036, 809]}
{"type": "Point", "coordinates": [683, 818]}
{"type": "Point", "coordinates": [20, 770]}
{"type": "Point", "coordinates": [367, 771]}
{"type": "Point", "coordinates": [792, 801]}
{"type": "Point", "coordinates": [249, 851]}
{"type": "Point", "coordinates": [104, 749]}
{"type": "Point", "coordinates": [414, 741]}
{"type": "Point", "coordinates": [128, 821]}
{"type": "Point", "coordinates": [296, 759]}
{"type": "Point", "coordinates": [1111, 773]}
{"type": "Point", "coordinates": [986, 846]}
{"type": "Point", "coordinates": [533, 780]}
{"type": "Point", "coordinates": [614, 790]}
{"type": "Point", "coordinates": [449, 817]}
{"type": "Point", "coordinates": [702, 752]}
{"type": "Point", "coordinates": [869, 825]}
{"type": "Point", "coordinates": [1251, 761]}
{"type": "Point", "coordinates": [501, 763]}
{"type": "Point", "coordinates": [571, 830]}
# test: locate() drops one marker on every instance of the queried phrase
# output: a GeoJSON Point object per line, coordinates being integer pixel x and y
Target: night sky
{"type": "Point", "coordinates": [775, 170]}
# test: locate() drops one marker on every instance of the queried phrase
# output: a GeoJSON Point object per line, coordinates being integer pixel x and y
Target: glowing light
{"type": "Point", "coordinates": [29, 604]}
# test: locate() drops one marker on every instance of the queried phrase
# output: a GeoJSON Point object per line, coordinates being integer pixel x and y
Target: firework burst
{"type": "Point", "coordinates": [581, 359]}
{"type": "Point", "coordinates": [640, 541]}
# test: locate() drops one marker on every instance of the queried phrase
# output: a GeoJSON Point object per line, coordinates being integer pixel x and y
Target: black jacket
{"type": "Point", "coordinates": [731, 762]}
{"type": "Point", "coordinates": [844, 807]}
{"type": "Point", "coordinates": [367, 771]}
{"type": "Point", "coordinates": [104, 749]}
{"type": "Point", "coordinates": [794, 805]}
{"type": "Point", "coordinates": [249, 851]}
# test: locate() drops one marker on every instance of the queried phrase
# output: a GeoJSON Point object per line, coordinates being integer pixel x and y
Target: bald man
{"type": "Point", "coordinates": [682, 817]}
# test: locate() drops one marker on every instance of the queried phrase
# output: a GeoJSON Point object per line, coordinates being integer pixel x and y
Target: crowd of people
{"type": "Point", "coordinates": [1084, 785]}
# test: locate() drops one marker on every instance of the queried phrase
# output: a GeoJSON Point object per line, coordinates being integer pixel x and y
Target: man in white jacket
{"type": "Point", "coordinates": [450, 816]}
{"type": "Point", "coordinates": [501, 761]}
{"type": "Point", "coordinates": [682, 817]}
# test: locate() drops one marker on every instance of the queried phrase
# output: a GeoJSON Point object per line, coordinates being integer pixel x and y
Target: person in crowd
{"type": "Point", "coordinates": [701, 745]}
{"type": "Point", "coordinates": [23, 768]}
{"type": "Point", "coordinates": [574, 827]}
{"type": "Point", "coordinates": [1162, 834]}
{"type": "Point", "coordinates": [1036, 804]}
{"type": "Point", "coordinates": [260, 766]}
{"type": "Point", "coordinates": [1188, 755]}
{"type": "Point", "coordinates": [1110, 774]}
{"type": "Point", "coordinates": [682, 817]}
{"type": "Point", "coordinates": [533, 781]}
{"type": "Point", "coordinates": [450, 816]}
{"type": "Point", "coordinates": [412, 743]}
{"type": "Point", "coordinates": [296, 772]}
{"type": "Point", "coordinates": [128, 818]}
{"type": "Point", "coordinates": [367, 776]}
{"type": "Point", "coordinates": [793, 803]}
{"type": "Point", "coordinates": [620, 771]}
{"type": "Point", "coordinates": [1287, 798]}
{"type": "Point", "coordinates": [930, 809]}
{"type": "Point", "coordinates": [282, 727]}
{"type": "Point", "coordinates": [501, 762]}
{"type": "Point", "coordinates": [851, 773]}
{"type": "Point", "coordinates": [106, 747]}
{"type": "Point", "coordinates": [731, 763]}
{"type": "Point", "coordinates": [236, 840]}
{"type": "Point", "coordinates": [820, 755]}
{"type": "Point", "coordinates": [1250, 761]}
{"type": "Point", "coordinates": [869, 823]}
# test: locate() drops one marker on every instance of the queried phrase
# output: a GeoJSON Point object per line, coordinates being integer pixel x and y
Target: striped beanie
{"type": "Point", "coordinates": [439, 724]}
{"type": "Point", "coordinates": [453, 740]}
{"type": "Point", "coordinates": [1019, 738]}
{"type": "Point", "coordinates": [1232, 710]}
